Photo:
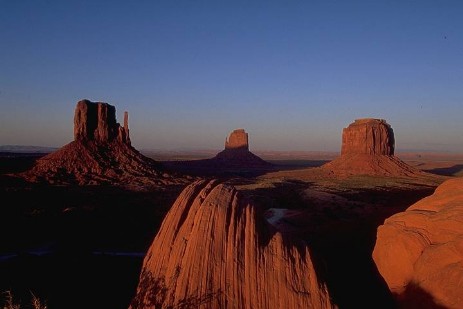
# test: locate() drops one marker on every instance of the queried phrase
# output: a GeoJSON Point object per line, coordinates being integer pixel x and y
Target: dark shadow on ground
{"type": "Point", "coordinates": [52, 232]}
{"type": "Point", "coordinates": [17, 162]}
{"type": "Point", "coordinates": [416, 297]}
{"type": "Point", "coordinates": [345, 248]}
{"type": "Point", "coordinates": [447, 171]}
{"type": "Point", "coordinates": [342, 237]}
{"type": "Point", "coordinates": [212, 168]}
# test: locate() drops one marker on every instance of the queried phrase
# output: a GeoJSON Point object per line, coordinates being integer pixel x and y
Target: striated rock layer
{"type": "Point", "coordinates": [100, 153]}
{"type": "Point", "coordinates": [368, 149]}
{"type": "Point", "coordinates": [215, 250]}
{"type": "Point", "coordinates": [419, 252]}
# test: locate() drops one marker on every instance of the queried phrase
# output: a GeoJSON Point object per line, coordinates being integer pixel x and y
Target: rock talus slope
{"type": "Point", "coordinates": [419, 252]}
{"type": "Point", "coordinates": [215, 250]}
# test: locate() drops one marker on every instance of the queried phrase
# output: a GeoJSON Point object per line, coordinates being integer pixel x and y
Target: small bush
{"type": "Point", "coordinates": [10, 303]}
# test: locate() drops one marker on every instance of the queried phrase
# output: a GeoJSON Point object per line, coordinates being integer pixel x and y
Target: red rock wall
{"type": "Point", "coordinates": [368, 136]}
{"type": "Point", "coordinates": [214, 251]}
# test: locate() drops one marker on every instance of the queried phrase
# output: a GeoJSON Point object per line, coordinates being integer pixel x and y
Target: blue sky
{"type": "Point", "coordinates": [292, 73]}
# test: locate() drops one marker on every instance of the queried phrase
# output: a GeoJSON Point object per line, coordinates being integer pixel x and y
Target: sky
{"type": "Point", "coordinates": [292, 73]}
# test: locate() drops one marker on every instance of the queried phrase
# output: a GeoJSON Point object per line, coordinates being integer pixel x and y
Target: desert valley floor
{"type": "Point", "coordinates": [83, 246]}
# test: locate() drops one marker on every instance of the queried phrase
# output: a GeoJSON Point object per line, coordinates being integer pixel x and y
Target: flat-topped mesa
{"type": "Point", "coordinates": [238, 139]}
{"type": "Point", "coordinates": [368, 136]}
{"type": "Point", "coordinates": [368, 149]}
{"type": "Point", "coordinates": [96, 121]}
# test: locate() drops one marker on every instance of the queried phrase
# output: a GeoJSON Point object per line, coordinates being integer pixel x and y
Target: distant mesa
{"type": "Point", "coordinates": [368, 149]}
{"type": "Point", "coordinates": [216, 250]}
{"type": "Point", "coordinates": [237, 154]}
{"type": "Point", "coordinates": [235, 158]}
{"type": "Point", "coordinates": [419, 252]}
{"type": "Point", "coordinates": [100, 153]}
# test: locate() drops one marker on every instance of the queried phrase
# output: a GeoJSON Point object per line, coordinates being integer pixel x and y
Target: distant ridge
{"type": "Point", "coordinates": [27, 149]}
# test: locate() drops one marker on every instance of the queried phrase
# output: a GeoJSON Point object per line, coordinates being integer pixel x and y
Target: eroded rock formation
{"type": "Point", "coordinates": [237, 154]}
{"type": "Point", "coordinates": [100, 153]}
{"type": "Point", "coordinates": [238, 139]}
{"type": "Point", "coordinates": [97, 122]}
{"type": "Point", "coordinates": [368, 149]}
{"type": "Point", "coordinates": [215, 250]}
{"type": "Point", "coordinates": [368, 136]}
{"type": "Point", "coordinates": [419, 252]}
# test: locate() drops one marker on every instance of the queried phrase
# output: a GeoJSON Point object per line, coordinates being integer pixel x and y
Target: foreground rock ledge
{"type": "Point", "coordinates": [215, 251]}
{"type": "Point", "coordinates": [419, 252]}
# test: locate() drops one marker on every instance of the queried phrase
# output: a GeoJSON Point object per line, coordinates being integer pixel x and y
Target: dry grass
{"type": "Point", "coordinates": [10, 303]}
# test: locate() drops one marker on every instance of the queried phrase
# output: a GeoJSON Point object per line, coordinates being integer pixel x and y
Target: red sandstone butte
{"type": "Point", "coordinates": [100, 153]}
{"type": "Point", "coordinates": [215, 250]}
{"type": "Point", "coordinates": [238, 139]}
{"type": "Point", "coordinates": [368, 136]}
{"type": "Point", "coordinates": [97, 122]}
{"type": "Point", "coordinates": [419, 252]}
{"type": "Point", "coordinates": [368, 149]}
{"type": "Point", "coordinates": [237, 154]}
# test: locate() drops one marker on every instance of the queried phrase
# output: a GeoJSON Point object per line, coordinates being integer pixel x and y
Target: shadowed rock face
{"type": "Point", "coordinates": [368, 149]}
{"type": "Point", "coordinates": [215, 250]}
{"type": "Point", "coordinates": [368, 136]}
{"type": "Point", "coordinates": [100, 153]}
{"type": "Point", "coordinates": [238, 139]}
{"type": "Point", "coordinates": [419, 252]}
{"type": "Point", "coordinates": [97, 122]}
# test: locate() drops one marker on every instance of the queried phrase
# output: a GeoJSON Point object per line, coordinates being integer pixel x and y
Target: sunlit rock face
{"type": "Point", "coordinates": [238, 139]}
{"type": "Point", "coordinates": [368, 149]}
{"type": "Point", "coordinates": [368, 136]}
{"type": "Point", "coordinates": [419, 252]}
{"type": "Point", "coordinates": [215, 250]}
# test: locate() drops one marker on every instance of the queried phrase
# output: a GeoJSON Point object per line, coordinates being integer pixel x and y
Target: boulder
{"type": "Point", "coordinates": [419, 252]}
